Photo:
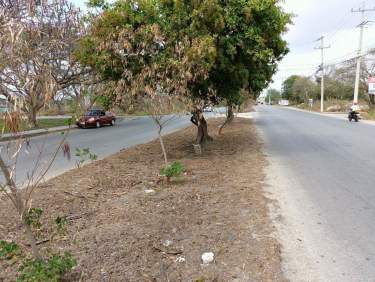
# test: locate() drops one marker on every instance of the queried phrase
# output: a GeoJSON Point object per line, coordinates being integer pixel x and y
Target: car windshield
{"type": "Point", "coordinates": [92, 113]}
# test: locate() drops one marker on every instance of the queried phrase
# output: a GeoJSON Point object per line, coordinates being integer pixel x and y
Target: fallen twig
{"type": "Point", "coordinates": [169, 252]}
{"type": "Point", "coordinates": [42, 242]}
{"type": "Point", "coordinates": [39, 243]}
{"type": "Point", "coordinates": [78, 216]}
{"type": "Point", "coordinates": [78, 195]}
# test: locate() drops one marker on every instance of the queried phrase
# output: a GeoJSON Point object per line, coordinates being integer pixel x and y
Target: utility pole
{"type": "Point", "coordinates": [322, 47]}
{"type": "Point", "coordinates": [362, 25]}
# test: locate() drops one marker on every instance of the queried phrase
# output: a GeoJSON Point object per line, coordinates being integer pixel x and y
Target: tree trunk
{"type": "Point", "coordinates": [60, 109]}
{"type": "Point", "coordinates": [31, 106]}
{"type": "Point", "coordinates": [16, 197]}
{"type": "Point", "coordinates": [32, 240]}
{"type": "Point", "coordinates": [230, 117]}
{"type": "Point", "coordinates": [32, 117]}
{"type": "Point", "coordinates": [163, 148]}
{"type": "Point", "coordinates": [201, 123]}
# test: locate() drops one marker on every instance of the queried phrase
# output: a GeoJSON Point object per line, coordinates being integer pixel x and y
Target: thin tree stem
{"type": "Point", "coordinates": [163, 148]}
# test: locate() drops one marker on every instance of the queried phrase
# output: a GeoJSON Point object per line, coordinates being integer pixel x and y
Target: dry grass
{"type": "Point", "coordinates": [217, 206]}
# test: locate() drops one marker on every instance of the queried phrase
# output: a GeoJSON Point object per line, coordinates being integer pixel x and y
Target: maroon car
{"type": "Point", "coordinates": [96, 118]}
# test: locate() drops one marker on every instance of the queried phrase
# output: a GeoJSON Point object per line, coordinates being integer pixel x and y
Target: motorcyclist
{"type": "Point", "coordinates": [354, 108]}
{"type": "Point", "coordinates": [354, 112]}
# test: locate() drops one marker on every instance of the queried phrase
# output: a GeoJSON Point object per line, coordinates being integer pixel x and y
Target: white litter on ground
{"type": "Point", "coordinates": [208, 257]}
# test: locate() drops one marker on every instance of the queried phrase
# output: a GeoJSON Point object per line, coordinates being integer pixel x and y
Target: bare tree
{"type": "Point", "coordinates": [163, 109]}
{"type": "Point", "coordinates": [36, 54]}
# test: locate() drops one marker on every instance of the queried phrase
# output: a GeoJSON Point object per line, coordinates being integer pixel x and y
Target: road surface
{"type": "Point", "coordinates": [102, 142]}
{"type": "Point", "coordinates": [322, 178]}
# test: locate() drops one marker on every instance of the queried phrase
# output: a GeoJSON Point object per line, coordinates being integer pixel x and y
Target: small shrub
{"type": "Point", "coordinates": [69, 121]}
{"type": "Point", "coordinates": [84, 155]}
{"type": "Point", "coordinates": [173, 170]}
{"type": "Point", "coordinates": [9, 250]}
{"type": "Point", "coordinates": [33, 218]}
{"type": "Point", "coordinates": [52, 269]}
{"type": "Point", "coordinates": [61, 223]}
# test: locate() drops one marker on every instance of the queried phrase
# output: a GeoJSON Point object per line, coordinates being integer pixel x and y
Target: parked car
{"type": "Point", "coordinates": [96, 118]}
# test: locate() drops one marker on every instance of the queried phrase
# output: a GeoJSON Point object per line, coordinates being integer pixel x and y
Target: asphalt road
{"type": "Point", "coordinates": [102, 142]}
{"type": "Point", "coordinates": [322, 176]}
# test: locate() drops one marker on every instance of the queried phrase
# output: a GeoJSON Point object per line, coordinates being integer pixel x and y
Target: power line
{"type": "Point", "coordinates": [340, 27]}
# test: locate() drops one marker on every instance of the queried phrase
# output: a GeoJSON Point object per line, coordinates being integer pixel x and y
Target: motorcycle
{"type": "Point", "coordinates": [353, 115]}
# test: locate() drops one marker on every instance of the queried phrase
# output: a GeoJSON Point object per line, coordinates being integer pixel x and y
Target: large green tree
{"type": "Point", "coordinates": [249, 47]}
{"type": "Point", "coordinates": [209, 50]}
{"type": "Point", "coordinates": [247, 41]}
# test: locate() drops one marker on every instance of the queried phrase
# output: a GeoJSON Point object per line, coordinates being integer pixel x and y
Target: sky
{"type": "Point", "coordinates": [334, 20]}
{"type": "Point", "coordinates": [314, 18]}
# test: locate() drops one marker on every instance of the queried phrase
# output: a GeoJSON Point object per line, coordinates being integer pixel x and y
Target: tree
{"type": "Point", "coordinates": [273, 95]}
{"type": "Point", "coordinates": [344, 76]}
{"type": "Point", "coordinates": [207, 50]}
{"type": "Point", "coordinates": [162, 109]}
{"type": "Point", "coordinates": [246, 47]}
{"type": "Point", "coordinates": [134, 48]}
{"type": "Point", "coordinates": [37, 42]}
{"type": "Point", "coordinates": [304, 89]}
{"type": "Point", "coordinates": [287, 87]}
{"type": "Point", "coordinates": [249, 48]}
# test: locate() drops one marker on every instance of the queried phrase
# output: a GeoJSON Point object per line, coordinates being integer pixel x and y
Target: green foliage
{"type": "Point", "coordinates": [304, 89]}
{"type": "Point", "coordinates": [32, 218]}
{"type": "Point", "coordinates": [98, 4]}
{"type": "Point", "coordinates": [61, 223]}
{"type": "Point", "coordinates": [84, 155]}
{"type": "Point", "coordinates": [105, 102]}
{"type": "Point", "coordinates": [336, 88]}
{"type": "Point", "coordinates": [249, 47]}
{"type": "Point", "coordinates": [224, 47]}
{"type": "Point", "coordinates": [273, 95]}
{"type": "Point", "coordinates": [52, 269]}
{"type": "Point", "coordinates": [287, 92]}
{"type": "Point", "coordinates": [69, 121]}
{"type": "Point", "coordinates": [299, 89]}
{"type": "Point", "coordinates": [173, 170]}
{"type": "Point", "coordinates": [9, 250]}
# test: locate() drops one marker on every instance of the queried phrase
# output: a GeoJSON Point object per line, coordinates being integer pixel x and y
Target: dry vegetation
{"type": "Point", "coordinates": [118, 232]}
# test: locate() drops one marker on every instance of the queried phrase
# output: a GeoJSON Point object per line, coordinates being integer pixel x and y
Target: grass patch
{"type": "Point", "coordinates": [341, 105]}
{"type": "Point", "coordinates": [370, 115]}
{"type": "Point", "coordinates": [42, 124]}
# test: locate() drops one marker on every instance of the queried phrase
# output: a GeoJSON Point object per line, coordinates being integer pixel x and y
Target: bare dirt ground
{"type": "Point", "coordinates": [118, 232]}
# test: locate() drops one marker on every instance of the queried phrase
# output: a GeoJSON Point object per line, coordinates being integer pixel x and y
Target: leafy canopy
{"type": "Point", "coordinates": [207, 50]}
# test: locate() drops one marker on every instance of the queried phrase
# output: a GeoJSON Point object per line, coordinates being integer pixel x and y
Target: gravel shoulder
{"type": "Point", "coordinates": [119, 228]}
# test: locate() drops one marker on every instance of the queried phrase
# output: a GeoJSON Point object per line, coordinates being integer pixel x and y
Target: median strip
{"type": "Point", "coordinates": [123, 220]}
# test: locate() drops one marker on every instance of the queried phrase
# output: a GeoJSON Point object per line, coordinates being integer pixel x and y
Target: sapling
{"type": "Point", "coordinates": [163, 109]}
{"type": "Point", "coordinates": [173, 170]}
{"type": "Point", "coordinates": [9, 250]}
{"type": "Point", "coordinates": [84, 155]}
{"type": "Point", "coordinates": [61, 223]}
{"type": "Point", "coordinates": [20, 192]}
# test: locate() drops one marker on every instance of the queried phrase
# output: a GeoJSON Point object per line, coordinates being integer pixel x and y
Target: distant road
{"type": "Point", "coordinates": [103, 142]}
{"type": "Point", "coordinates": [322, 174]}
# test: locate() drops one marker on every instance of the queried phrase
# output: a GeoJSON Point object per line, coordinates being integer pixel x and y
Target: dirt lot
{"type": "Point", "coordinates": [119, 232]}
